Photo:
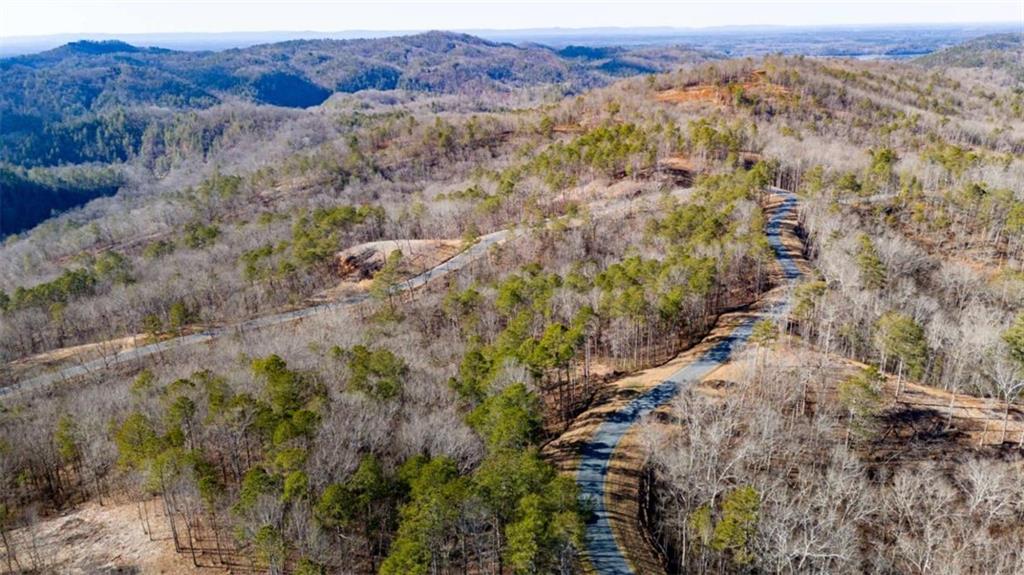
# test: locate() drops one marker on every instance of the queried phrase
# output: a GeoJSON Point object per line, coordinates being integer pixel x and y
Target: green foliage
{"type": "Point", "coordinates": [1015, 218]}
{"type": "Point", "coordinates": [729, 529]}
{"type": "Point", "coordinates": [883, 160]}
{"type": "Point", "coordinates": [537, 510]}
{"type": "Point", "coordinates": [158, 249]}
{"type": "Point", "coordinates": [701, 524]}
{"type": "Point", "coordinates": [50, 190]}
{"type": "Point", "coordinates": [218, 186]}
{"type": "Point", "coordinates": [197, 235]}
{"type": "Point", "coordinates": [386, 279]}
{"type": "Point", "coordinates": [474, 373]}
{"type": "Point", "coordinates": [509, 420]}
{"type": "Point", "coordinates": [376, 373]}
{"type": "Point", "coordinates": [899, 337]}
{"type": "Point", "coordinates": [611, 149]}
{"type": "Point", "coordinates": [764, 333]}
{"type": "Point", "coordinates": [219, 396]}
{"type": "Point", "coordinates": [544, 524]}
{"type": "Point", "coordinates": [271, 547]}
{"type": "Point", "coordinates": [296, 486]}
{"type": "Point", "coordinates": [152, 325]}
{"type": "Point", "coordinates": [110, 267]}
{"type": "Point", "coordinates": [207, 478]}
{"type": "Point", "coordinates": [113, 267]}
{"type": "Point", "coordinates": [530, 290]}
{"type": "Point", "coordinates": [623, 285]}
{"type": "Point", "coordinates": [716, 139]}
{"type": "Point", "coordinates": [506, 476]}
{"type": "Point", "coordinates": [285, 458]}
{"type": "Point", "coordinates": [872, 271]}
{"type": "Point", "coordinates": [861, 397]}
{"type": "Point", "coordinates": [137, 441]}
{"type": "Point", "coordinates": [180, 414]}
{"type": "Point", "coordinates": [309, 567]}
{"type": "Point", "coordinates": [1014, 338]}
{"type": "Point", "coordinates": [66, 436]}
{"type": "Point", "coordinates": [813, 182]}
{"type": "Point", "coordinates": [256, 483]}
{"type": "Point", "coordinates": [737, 524]}
{"type": "Point", "coordinates": [436, 495]}
{"type": "Point", "coordinates": [179, 315]}
{"type": "Point", "coordinates": [143, 383]}
{"type": "Point", "coordinates": [807, 297]}
{"type": "Point", "coordinates": [71, 284]}
{"type": "Point", "coordinates": [463, 306]}
{"type": "Point", "coordinates": [254, 262]}
{"type": "Point", "coordinates": [316, 236]}
{"type": "Point", "coordinates": [343, 504]}
{"type": "Point", "coordinates": [285, 388]}
{"type": "Point", "coordinates": [848, 182]}
{"type": "Point", "coordinates": [954, 159]}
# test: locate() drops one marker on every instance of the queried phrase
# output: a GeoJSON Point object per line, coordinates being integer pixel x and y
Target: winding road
{"type": "Point", "coordinates": [455, 263]}
{"type": "Point", "coordinates": [606, 555]}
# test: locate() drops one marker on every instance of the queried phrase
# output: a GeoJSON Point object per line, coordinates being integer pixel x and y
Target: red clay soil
{"type": "Point", "coordinates": [756, 84]}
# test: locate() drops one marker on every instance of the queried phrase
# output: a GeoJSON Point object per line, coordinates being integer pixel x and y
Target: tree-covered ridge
{"type": "Point", "coordinates": [997, 52]}
{"type": "Point", "coordinates": [110, 102]}
{"type": "Point", "coordinates": [598, 235]}
{"type": "Point", "coordinates": [28, 197]}
{"type": "Point", "coordinates": [90, 80]}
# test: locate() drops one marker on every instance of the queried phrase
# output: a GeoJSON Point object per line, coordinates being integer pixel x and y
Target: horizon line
{"type": "Point", "coordinates": [408, 31]}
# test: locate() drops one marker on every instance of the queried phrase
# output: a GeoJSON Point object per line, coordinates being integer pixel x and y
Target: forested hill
{"type": "Point", "coordinates": [102, 103]}
{"type": "Point", "coordinates": [1003, 52]}
{"type": "Point", "coordinates": [93, 76]}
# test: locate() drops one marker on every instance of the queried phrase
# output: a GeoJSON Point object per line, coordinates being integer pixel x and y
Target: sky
{"type": "Point", "coordinates": [44, 17]}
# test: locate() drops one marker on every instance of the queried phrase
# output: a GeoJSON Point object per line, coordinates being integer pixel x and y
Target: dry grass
{"type": "Point", "coordinates": [23, 367]}
{"type": "Point", "coordinates": [100, 539]}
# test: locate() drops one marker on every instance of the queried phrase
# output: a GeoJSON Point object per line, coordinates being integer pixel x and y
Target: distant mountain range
{"type": "Point", "coordinates": [857, 40]}
{"type": "Point", "coordinates": [101, 102]}
{"type": "Point", "coordinates": [90, 76]}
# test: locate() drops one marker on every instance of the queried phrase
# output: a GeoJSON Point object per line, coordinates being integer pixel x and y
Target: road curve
{"type": "Point", "coordinates": [455, 263]}
{"type": "Point", "coordinates": [605, 555]}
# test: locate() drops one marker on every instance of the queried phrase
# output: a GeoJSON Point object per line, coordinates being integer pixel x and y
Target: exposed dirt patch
{"type": "Point", "coordinates": [100, 539]}
{"type": "Point", "coordinates": [755, 85]}
{"type": "Point", "coordinates": [357, 265]}
{"type": "Point", "coordinates": [21, 368]}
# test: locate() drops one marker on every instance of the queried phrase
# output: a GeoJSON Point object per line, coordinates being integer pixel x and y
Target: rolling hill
{"type": "Point", "coordinates": [996, 51]}
{"type": "Point", "coordinates": [101, 102]}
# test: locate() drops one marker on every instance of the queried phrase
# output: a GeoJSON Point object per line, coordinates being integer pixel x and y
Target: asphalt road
{"type": "Point", "coordinates": [605, 554]}
{"type": "Point", "coordinates": [455, 263]}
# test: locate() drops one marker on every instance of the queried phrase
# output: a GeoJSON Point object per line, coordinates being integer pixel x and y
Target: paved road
{"type": "Point", "coordinates": [604, 552]}
{"type": "Point", "coordinates": [455, 263]}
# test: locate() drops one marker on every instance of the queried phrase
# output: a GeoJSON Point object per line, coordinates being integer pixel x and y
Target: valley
{"type": "Point", "coordinates": [440, 304]}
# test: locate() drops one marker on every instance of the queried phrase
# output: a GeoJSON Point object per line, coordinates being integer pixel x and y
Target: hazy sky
{"type": "Point", "coordinates": [38, 17]}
